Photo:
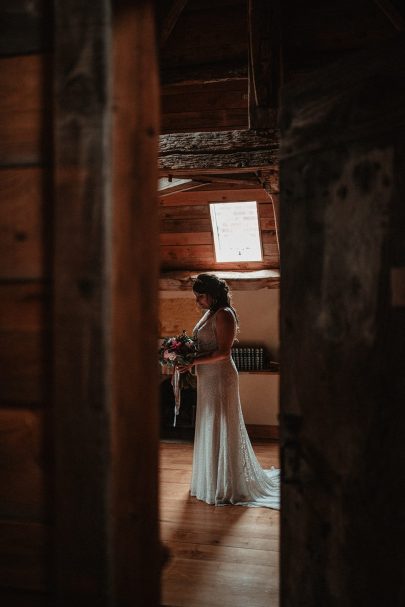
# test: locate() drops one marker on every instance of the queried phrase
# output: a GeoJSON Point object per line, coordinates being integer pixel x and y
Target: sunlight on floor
{"type": "Point", "coordinates": [219, 556]}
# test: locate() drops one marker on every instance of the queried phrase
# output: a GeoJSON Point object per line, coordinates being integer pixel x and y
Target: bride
{"type": "Point", "coordinates": [225, 468]}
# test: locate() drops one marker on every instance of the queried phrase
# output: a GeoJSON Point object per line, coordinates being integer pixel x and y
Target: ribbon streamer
{"type": "Point", "coordinates": [177, 393]}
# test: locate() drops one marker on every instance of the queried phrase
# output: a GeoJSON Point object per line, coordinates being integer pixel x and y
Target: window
{"type": "Point", "coordinates": [166, 183]}
{"type": "Point", "coordinates": [236, 231]}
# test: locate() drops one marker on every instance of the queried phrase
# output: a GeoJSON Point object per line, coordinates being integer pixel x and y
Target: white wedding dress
{"type": "Point", "coordinates": [225, 467]}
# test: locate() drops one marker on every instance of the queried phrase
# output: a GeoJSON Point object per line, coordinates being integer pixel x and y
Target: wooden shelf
{"type": "Point", "coordinates": [264, 372]}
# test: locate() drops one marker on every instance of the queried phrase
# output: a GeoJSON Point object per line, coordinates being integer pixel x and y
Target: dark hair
{"type": "Point", "coordinates": [209, 284]}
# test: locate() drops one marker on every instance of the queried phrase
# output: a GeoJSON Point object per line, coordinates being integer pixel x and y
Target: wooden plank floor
{"type": "Point", "coordinates": [220, 556]}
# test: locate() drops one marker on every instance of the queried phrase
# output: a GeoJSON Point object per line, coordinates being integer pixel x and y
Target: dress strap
{"type": "Point", "coordinates": [200, 323]}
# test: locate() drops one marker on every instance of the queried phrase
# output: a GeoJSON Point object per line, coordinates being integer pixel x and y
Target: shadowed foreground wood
{"type": "Point", "coordinates": [218, 555]}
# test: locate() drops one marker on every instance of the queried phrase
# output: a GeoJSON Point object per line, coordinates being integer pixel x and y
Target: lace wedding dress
{"type": "Point", "coordinates": [225, 468]}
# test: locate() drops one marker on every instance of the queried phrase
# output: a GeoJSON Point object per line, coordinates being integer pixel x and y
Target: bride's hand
{"type": "Point", "coordinates": [184, 368]}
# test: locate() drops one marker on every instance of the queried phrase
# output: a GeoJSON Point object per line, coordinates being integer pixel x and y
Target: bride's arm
{"type": "Point", "coordinates": [225, 329]}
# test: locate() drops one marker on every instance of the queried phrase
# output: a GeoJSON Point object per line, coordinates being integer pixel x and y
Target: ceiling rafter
{"type": "Point", "coordinates": [169, 23]}
{"type": "Point", "coordinates": [393, 14]}
{"type": "Point", "coordinates": [227, 180]}
{"type": "Point", "coordinates": [265, 69]}
{"type": "Point", "coordinates": [191, 184]}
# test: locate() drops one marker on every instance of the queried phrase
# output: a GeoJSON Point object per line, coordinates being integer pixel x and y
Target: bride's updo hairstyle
{"type": "Point", "coordinates": [209, 284]}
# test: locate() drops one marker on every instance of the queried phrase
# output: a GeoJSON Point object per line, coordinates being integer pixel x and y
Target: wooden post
{"type": "Point", "coordinates": [343, 333]}
{"type": "Point", "coordinates": [105, 310]}
{"type": "Point", "coordinates": [265, 73]}
{"type": "Point", "coordinates": [81, 303]}
{"type": "Point", "coordinates": [269, 182]}
{"type": "Point", "coordinates": [135, 313]}
{"type": "Point", "coordinates": [276, 211]}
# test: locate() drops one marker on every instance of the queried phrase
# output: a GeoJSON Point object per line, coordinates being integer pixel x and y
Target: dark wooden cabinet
{"type": "Point", "coordinates": [185, 420]}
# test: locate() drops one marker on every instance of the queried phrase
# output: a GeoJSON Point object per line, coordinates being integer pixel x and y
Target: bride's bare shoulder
{"type": "Point", "coordinates": [225, 315]}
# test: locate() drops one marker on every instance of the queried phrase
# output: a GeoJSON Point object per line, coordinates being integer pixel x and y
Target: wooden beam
{"type": "Point", "coordinates": [238, 281]}
{"type": "Point", "coordinates": [265, 74]}
{"type": "Point", "coordinates": [343, 223]}
{"type": "Point", "coordinates": [190, 171]}
{"type": "Point", "coordinates": [204, 74]}
{"type": "Point", "coordinates": [202, 152]}
{"type": "Point", "coordinates": [169, 23]}
{"type": "Point", "coordinates": [276, 210]}
{"type": "Point", "coordinates": [191, 185]}
{"type": "Point", "coordinates": [166, 184]}
{"type": "Point", "coordinates": [81, 396]}
{"type": "Point", "coordinates": [269, 178]}
{"type": "Point", "coordinates": [218, 141]}
{"type": "Point", "coordinates": [392, 13]}
{"type": "Point", "coordinates": [135, 267]}
{"type": "Point", "coordinates": [225, 181]}
{"type": "Point", "coordinates": [199, 197]}
{"type": "Point", "coordinates": [268, 185]}
{"type": "Point", "coordinates": [205, 179]}
{"type": "Point", "coordinates": [198, 181]}
{"type": "Point", "coordinates": [105, 311]}
{"type": "Point", "coordinates": [243, 160]}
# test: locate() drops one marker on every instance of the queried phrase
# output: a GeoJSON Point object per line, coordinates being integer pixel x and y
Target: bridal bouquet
{"type": "Point", "coordinates": [174, 351]}
{"type": "Point", "coordinates": [179, 350]}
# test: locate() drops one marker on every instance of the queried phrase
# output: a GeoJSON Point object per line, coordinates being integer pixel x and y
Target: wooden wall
{"type": "Point", "coordinates": [207, 35]}
{"type": "Point", "coordinates": [186, 240]}
{"type": "Point", "coordinates": [25, 287]}
{"type": "Point", "coordinates": [204, 106]}
{"type": "Point", "coordinates": [207, 32]}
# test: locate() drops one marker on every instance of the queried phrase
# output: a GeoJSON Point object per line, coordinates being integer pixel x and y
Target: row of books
{"type": "Point", "coordinates": [249, 359]}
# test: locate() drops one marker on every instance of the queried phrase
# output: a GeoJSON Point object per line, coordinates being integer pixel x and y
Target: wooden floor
{"type": "Point", "coordinates": [219, 555]}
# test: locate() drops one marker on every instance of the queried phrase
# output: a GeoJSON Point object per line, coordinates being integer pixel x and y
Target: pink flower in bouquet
{"type": "Point", "coordinates": [178, 350]}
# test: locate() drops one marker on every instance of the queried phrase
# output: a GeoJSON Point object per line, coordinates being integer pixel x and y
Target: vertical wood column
{"type": "Point", "coordinates": [81, 303]}
{"type": "Point", "coordinates": [342, 334]}
{"type": "Point", "coordinates": [105, 315]}
{"type": "Point", "coordinates": [135, 313]}
{"type": "Point", "coordinates": [265, 73]}
{"type": "Point", "coordinates": [268, 184]}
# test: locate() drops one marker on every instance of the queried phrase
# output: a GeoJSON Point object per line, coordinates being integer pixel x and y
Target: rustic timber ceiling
{"type": "Point", "coordinates": [204, 51]}
{"type": "Point", "coordinates": [221, 64]}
